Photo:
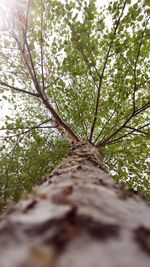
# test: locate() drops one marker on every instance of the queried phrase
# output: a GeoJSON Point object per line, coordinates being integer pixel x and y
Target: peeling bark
{"type": "Point", "coordinates": [78, 217]}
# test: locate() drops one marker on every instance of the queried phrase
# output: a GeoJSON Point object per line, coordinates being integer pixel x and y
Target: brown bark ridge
{"type": "Point", "coordinates": [78, 217]}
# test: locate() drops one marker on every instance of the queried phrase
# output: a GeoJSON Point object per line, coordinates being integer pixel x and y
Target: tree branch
{"type": "Point", "coordinates": [18, 89]}
{"type": "Point", "coordinates": [103, 71]}
{"type": "Point", "coordinates": [142, 83]}
{"type": "Point", "coordinates": [41, 46]}
{"type": "Point", "coordinates": [21, 128]}
{"type": "Point", "coordinates": [62, 126]}
{"type": "Point", "coordinates": [105, 125]}
{"type": "Point", "coordinates": [105, 141]}
{"type": "Point", "coordinates": [87, 63]}
{"type": "Point", "coordinates": [84, 126]}
{"type": "Point", "coordinates": [31, 69]}
{"type": "Point", "coordinates": [131, 132]}
{"type": "Point", "coordinates": [147, 105]}
{"type": "Point", "coordinates": [29, 129]}
{"type": "Point", "coordinates": [138, 130]}
{"type": "Point", "coordinates": [134, 71]}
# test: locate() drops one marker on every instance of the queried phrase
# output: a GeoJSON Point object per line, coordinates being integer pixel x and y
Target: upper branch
{"type": "Point", "coordinates": [103, 71]}
{"type": "Point", "coordinates": [105, 125]}
{"type": "Point", "coordinates": [18, 89]}
{"type": "Point", "coordinates": [132, 115]}
{"type": "Point", "coordinates": [138, 130]}
{"type": "Point", "coordinates": [134, 72]}
{"type": "Point", "coordinates": [62, 126]}
{"type": "Point", "coordinates": [28, 129]}
{"type": "Point", "coordinates": [41, 47]}
{"type": "Point", "coordinates": [134, 130]}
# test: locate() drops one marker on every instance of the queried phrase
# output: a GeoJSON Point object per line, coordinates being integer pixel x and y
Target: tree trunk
{"type": "Point", "coordinates": [79, 217]}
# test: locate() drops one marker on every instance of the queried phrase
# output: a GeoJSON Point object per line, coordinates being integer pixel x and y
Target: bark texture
{"type": "Point", "coordinates": [79, 217]}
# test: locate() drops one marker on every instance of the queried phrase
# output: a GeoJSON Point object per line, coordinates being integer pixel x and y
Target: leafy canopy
{"type": "Point", "coordinates": [73, 70]}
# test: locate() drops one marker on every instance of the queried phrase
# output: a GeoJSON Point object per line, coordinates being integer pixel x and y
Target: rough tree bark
{"type": "Point", "coordinates": [78, 217]}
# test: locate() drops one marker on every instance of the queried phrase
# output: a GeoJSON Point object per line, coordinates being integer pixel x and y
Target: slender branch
{"type": "Point", "coordinates": [55, 81]}
{"type": "Point", "coordinates": [27, 130]}
{"type": "Point", "coordinates": [113, 127]}
{"type": "Point", "coordinates": [120, 52]}
{"type": "Point", "coordinates": [30, 70]}
{"type": "Point", "coordinates": [87, 63]}
{"type": "Point", "coordinates": [103, 71]}
{"type": "Point", "coordinates": [27, 15]}
{"type": "Point", "coordinates": [84, 126]}
{"type": "Point", "coordinates": [138, 130]}
{"type": "Point", "coordinates": [32, 127]}
{"type": "Point", "coordinates": [127, 61]}
{"type": "Point", "coordinates": [41, 123]}
{"type": "Point", "coordinates": [41, 46]}
{"type": "Point", "coordinates": [9, 48]}
{"type": "Point", "coordinates": [105, 141]}
{"type": "Point", "coordinates": [147, 105]}
{"type": "Point", "coordinates": [62, 126]}
{"type": "Point", "coordinates": [134, 71]}
{"type": "Point", "coordinates": [18, 89]}
{"type": "Point", "coordinates": [11, 63]}
{"type": "Point", "coordinates": [142, 83]}
{"type": "Point", "coordinates": [105, 125]}
{"type": "Point", "coordinates": [26, 23]}
{"type": "Point", "coordinates": [131, 132]}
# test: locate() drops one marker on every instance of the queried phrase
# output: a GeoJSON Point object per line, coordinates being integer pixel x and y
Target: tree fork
{"type": "Point", "coordinates": [77, 217]}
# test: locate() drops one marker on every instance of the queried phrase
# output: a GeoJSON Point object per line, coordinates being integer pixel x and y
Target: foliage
{"type": "Point", "coordinates": [82, 64]}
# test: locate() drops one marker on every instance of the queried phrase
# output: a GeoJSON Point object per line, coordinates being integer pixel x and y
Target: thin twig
{"type": "Point", "coordinates": [138, 129]}
{"type": "Point", "coordinates": [41, 46]}
{"type": "Point", "coordinates": [134, 72]}
{"type": "Point", "coordinates": [31, 71]}
{"type": "Point", "coordinates": [144, 107]}
{"type": "Point", "coordinates": [84, 126]}
{"type": "Point", "coordinates": [89, 69]}
{"type": "Point", "coordinates": [105, 125]}
{"type": "Point", "coordinates": [18, 89]}
{"type": "Point", "coordinates": [142, 83]}
{"type": "Point", "coordinates": [55, 81]}
{"type": "Point", "coordinates": [32, 127]}
{"type": "Point", "coordinates": [103, 71]}
{"type": "Point", "coordinates": [132, 115]}
{"type": "Point", "coordinates": [134, 130]}
{"type": "Point", "coordinates": [62, 126]}
{"type": "Point", "coordinates": [27, 130]}
{"type": "Point", "coordinates": [26, 22]}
